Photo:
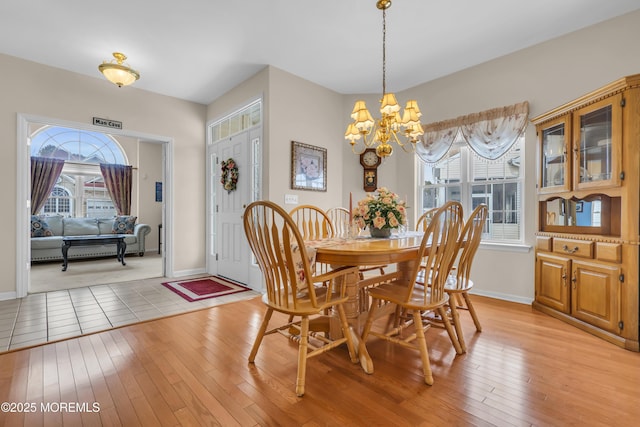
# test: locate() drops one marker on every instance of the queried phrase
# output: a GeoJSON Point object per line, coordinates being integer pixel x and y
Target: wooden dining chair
{"type": "Point", "coordinates": [284, 261]}
{"type": "Point", "coordinates": [437, 251]}
{"type": "Point", "coordinates": [460, 283]}
{"type": "Point", "coordinates": [425, 219]}
{"type": "Point", "coordinates": [313, 222]}
{"type": "Point", "coordinates": [339, 217]}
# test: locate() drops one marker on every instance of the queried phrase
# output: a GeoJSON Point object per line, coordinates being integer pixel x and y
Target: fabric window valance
{"type": "Point", "coordinates": [490, 134]}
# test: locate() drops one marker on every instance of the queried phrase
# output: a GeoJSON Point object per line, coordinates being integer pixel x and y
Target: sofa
{"type": "Point", "coordinates": [47, 233]}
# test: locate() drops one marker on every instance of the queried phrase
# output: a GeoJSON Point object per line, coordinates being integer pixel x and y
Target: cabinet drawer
{"type": "Point", "coordinates": [609, 252]}
{"type": "Point", "coordinates": [579, 248]}
{"type": "Point", "coordinates": [544, 243]}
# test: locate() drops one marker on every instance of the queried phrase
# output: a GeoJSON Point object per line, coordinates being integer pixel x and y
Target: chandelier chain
{"type": "Point", "coordinates": [384, 51]}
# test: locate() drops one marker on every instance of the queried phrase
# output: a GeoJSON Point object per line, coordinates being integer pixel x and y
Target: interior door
{"type": "Point", "coordinates": [231, 251]}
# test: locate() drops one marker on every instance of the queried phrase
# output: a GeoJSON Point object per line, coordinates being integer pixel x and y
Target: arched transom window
{"type": "Point", "coordinates": [80, 189]}
{"type": "Point", "coordinates": [76, 145]}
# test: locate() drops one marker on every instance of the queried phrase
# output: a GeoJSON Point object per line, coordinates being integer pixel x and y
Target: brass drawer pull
{"type": "Point", "coordinates": [568, 250]}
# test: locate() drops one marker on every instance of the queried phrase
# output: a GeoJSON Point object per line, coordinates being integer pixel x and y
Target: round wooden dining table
{"type": "Point", "coordinates": [401, 250]}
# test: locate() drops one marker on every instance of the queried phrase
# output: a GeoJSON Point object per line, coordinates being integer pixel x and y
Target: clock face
{"type": "Point", "coordinates": [370, 158]}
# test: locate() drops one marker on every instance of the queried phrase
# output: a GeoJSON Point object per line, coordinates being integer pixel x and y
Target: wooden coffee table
{"type": "Point", "coordinates": [100, 239]}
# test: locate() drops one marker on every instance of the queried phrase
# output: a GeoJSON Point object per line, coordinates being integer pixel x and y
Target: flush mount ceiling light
{"type": "Point", "coordinates": [117, 72]}
{"type": "Point", "coordinates": [391, 126]}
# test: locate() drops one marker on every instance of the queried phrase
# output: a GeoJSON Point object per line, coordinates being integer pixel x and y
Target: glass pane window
{"type": "Point", "coordinates": [76, 145]}
{"type": "Point", "coordinates": [441, 183]}
{"type": "Point", "coordinates": [59, 203]}
{"type": "Point", "coordinates": [239, 121]}
{"type": "Point", "coordinates": [80, 189]}
{"type": "Point", "coordinates": [80, 196]}
{"type": "Point", "coordinates": [464, 177]}
{"type": "Point", "coordinates": [97, 199]}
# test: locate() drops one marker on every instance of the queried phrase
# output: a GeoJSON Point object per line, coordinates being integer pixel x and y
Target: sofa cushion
{"type": "Point", "coordinates": [80, 226]}
{"type": "Point", "coordinates": [51, 242]}
{"type": "Point", "coordinates": [105, 225]}
{"type": "Point", "coordinates": [55, 224]}
{"type": "Point", "coordinates": [124, 224]}
{"type": "Point", "coordinates": [40, 227]}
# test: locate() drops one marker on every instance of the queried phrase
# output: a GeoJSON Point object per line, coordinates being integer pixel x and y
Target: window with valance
{"type": "Point", "coordinates": [477, 159]}
{"type": "Point", "coordinates": [490, 134]}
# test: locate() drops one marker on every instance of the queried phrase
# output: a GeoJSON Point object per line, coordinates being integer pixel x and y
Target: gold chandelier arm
{"type": "Point", "coordinates": [409, 146]}
{"type": "Point", "coordinates": [412, 146]}
{"type": "Point", "coordinates": [353, 148]}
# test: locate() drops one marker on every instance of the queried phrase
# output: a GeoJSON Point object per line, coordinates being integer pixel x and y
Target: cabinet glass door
{"type": "Point", "coordinates": [554, 161]}
{"type": "Point", "coordinates": [596, 161]}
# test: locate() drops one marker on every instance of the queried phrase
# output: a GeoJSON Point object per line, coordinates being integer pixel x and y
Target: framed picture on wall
{"type": "Point", "coordinates": [308, 167]}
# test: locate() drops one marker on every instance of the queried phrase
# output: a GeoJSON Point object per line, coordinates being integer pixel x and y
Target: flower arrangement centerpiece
{"type": "Point", "coordinates": [381, 212]}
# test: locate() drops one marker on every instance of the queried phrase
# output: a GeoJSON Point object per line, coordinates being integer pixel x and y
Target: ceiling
{"type": "Point", "coordinates": [199, 49]}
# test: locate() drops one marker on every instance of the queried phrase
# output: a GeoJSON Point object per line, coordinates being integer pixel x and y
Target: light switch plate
{"type": "Point", "coordinates": [290, 199]}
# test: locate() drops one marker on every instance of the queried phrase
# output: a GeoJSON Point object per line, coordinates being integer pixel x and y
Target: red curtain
{"type": "Point", "coordinates": [117, 179]}
{"type": "Point", "coordinates": [44, 174]}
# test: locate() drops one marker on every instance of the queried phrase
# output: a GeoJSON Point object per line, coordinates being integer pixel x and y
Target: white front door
{"type": "Point", "coordinates": [230, 252]}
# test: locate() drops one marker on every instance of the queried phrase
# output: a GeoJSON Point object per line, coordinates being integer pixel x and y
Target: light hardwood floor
{"type": "Point", "coordinates": [524, 369]}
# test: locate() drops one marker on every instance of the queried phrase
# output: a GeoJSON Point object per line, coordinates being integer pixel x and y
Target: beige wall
{"type": "Point", "coordinates": [294, 110]}
{"type": "Point", "coordinates": [39, 90]}
{"type": "Point", "coordinates": [149, 172]}
{"type": "Point", "coordinates": [546, 75]}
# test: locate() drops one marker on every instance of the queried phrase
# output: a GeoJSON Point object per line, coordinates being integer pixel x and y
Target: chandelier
{"type": "Point", "coordinates": [391, 126]}
{"type": "Point", "coordinates": [117, 72]}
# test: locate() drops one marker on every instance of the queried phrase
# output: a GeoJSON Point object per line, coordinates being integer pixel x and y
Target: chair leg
{"type": "Point", "coordinates": [458, 300]}
{"type": "Point", "coordinates": [302, 356]}
{"type": "Point", "coordinates": [369, 322]}
{"type": "Point", "coordinates": [261, 331]}
{"type": "Point", "coordinates": [393, 320]}
{"type": "Point", "coordinates": [449, 328]}
{"type": "Point", "coordinates": [455, 317]}
{"type": "Point", "coordinates": [472, 311]}
{"type": "Point", "coordinates": [347, 334]}
{"type": "Point", "coordinates": [422, 346]}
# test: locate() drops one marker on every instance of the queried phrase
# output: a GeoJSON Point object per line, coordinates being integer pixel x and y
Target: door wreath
{"type": "Point", "coordinates": [229, 175]}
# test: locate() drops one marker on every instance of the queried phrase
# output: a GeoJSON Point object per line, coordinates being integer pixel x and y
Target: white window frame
{"type": "Point", "coordinates": [467, 159]}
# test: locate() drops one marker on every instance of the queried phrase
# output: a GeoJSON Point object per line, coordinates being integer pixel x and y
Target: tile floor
{"type": "Point", "coordinates": [51, 316]}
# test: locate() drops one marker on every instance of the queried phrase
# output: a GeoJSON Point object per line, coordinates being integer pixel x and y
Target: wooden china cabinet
{"type": "Point", "coordinates": [588, 222]}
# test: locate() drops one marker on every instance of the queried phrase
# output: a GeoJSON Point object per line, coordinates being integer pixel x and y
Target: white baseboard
{"type": "Point", "coordinates": [183, 273]}
{"type": "Point", "coordinates": [505, 297]}
{"type": "Point", "coordinates": [7, 295]}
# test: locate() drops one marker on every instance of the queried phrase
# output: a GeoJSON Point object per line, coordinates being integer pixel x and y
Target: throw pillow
{"type": "Point", "coordinates": [39, 227]}
{"type": "Point", "coordinates": [124, 224]}
{"type": "Point", "coordinates": [301, 281]}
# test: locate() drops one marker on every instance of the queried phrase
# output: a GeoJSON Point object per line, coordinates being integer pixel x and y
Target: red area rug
{"type": "Point", "coordinates": [204, 288]}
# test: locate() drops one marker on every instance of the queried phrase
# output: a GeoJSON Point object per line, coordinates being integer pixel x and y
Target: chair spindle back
{"type": "Point", "coordinates": [274, 238]}
{"type": "Point", "coordinates": [313, 222]}
{"type": "Point", "coordinates": [438, 251]}
{"type": "Point", "coordinates": [470, 242]}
